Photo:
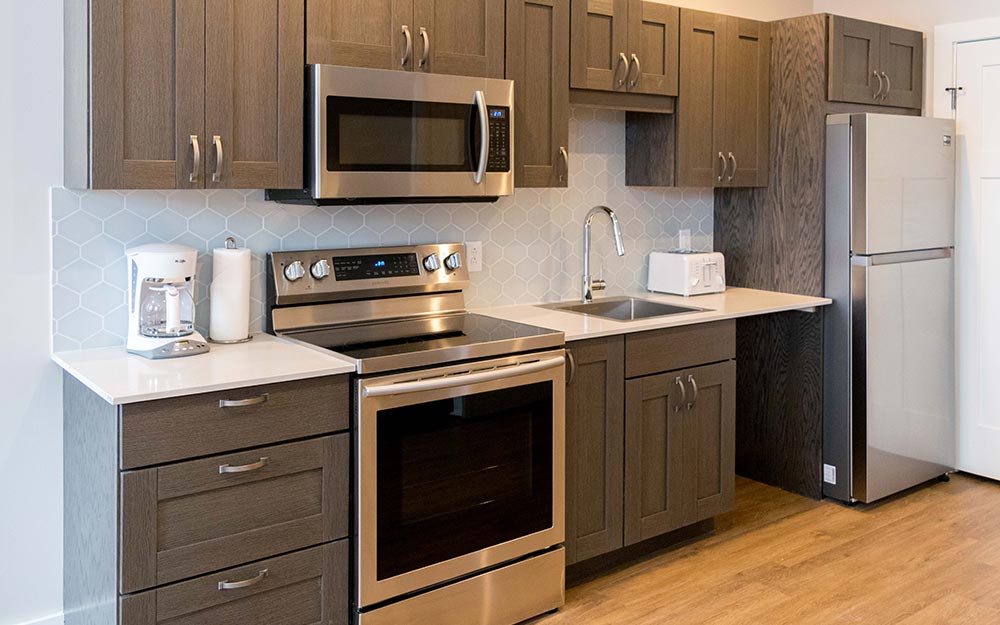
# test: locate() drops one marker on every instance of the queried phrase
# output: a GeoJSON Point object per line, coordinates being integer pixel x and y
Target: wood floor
{"type": "Point", "coordinates": [931, 557]}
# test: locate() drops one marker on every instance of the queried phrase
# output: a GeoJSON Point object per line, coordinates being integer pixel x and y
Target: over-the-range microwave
{"type": "Point", "coordinates": [377, 135]}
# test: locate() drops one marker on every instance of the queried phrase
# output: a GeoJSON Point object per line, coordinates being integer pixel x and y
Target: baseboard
{"type": "Point", "coordinates": [55, 619]}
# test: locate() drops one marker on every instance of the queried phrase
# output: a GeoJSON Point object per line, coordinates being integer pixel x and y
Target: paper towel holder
{"type": "Point", "coordinates": [231, 245]}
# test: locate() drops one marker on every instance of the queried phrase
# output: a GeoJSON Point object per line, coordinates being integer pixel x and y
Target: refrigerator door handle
{"type": "Point", "coordinates": [895, 258]}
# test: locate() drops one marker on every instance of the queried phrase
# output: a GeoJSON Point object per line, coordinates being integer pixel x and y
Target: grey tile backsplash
{"type": "Point", "coordinates": [532, 242]}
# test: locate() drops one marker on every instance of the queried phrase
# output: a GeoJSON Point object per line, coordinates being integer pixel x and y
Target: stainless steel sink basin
{"type": "Point", "coordinates": [624, 308]}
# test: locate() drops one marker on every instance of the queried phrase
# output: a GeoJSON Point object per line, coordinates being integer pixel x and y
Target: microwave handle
{"type": "Point", "coordinates": [484, 137]}
{"type": "Point", "coordinates": [433, 384]}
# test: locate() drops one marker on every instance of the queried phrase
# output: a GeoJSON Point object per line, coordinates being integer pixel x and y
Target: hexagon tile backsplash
{"type": "Point", "coordinates": [532, 241]}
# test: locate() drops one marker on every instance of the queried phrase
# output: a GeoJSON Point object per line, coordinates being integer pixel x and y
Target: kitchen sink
{"type": "Point", "coordinates": [624, 308]}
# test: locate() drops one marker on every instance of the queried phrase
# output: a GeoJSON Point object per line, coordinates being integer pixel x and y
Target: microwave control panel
{"type": "Point", "coordinates": [499, 156]}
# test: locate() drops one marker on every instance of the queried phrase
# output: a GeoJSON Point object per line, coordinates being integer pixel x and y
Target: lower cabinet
{"type": "Point", "coordinates": [653, 453]}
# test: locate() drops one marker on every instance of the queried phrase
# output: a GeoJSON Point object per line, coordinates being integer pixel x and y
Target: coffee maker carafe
{"type": "Point", "coordinates": [161, 301]}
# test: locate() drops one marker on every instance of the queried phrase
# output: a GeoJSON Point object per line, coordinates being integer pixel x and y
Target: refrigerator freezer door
{"type": "Point", "coordinates": [904, 387]}
{"type": "Point", "coordinates": [903, 183]}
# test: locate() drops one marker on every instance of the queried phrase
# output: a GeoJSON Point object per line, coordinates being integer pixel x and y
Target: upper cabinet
{"type": "Point", "coordinates": [188, 94]}
{"type": "Point", "coordinates": [624, 46]}
{"type": "Point", "coordinates": [463, 37]}
{"type": "Point", "coordinates": [875, 64]}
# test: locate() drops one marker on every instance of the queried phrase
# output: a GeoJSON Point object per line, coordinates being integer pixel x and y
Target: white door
{"type": "Point", "coordinates": [978, 247]}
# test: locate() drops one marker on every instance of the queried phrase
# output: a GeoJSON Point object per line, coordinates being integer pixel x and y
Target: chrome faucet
{"type": "Point", "coordinates": [597, 284]}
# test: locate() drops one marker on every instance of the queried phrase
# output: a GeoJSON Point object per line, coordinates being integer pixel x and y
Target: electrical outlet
{"type": "Point", "coordinates": [830, 474]}
{"type": "Point", "coordinates": [474, 250]}
{"type": "Point", "coordinates": [685, 240]}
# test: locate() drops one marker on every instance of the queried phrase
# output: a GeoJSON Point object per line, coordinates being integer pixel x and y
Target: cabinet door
{"type": "Point", "coordinates": [653, 29]}
{"type": "Point", "coordinates": [748, 108]}
{"type": "Point", "coordinates": [360, 33]}
{"type": "Point", "coordinates": [854, 60]}
{"type": "Point", "coordinates": [537, 62]}
{"type": "Point", "coordinates": [902, 60]}
{"type": "Point", "coordinates": [710, 431]}
{"type": "Point", "coordinates": [253, 100]}
{"type": "Point", "coordinates": [656, 494]}
{"type": "Point", "coordinates": [147, 94]}
{"type": "Point", "coordinates": [461, 37]}
{"type": "Point", "coordinates": [594, 439]}
{"type": "Point", "coordinates": [701, 106]}
{"type": "Point", "coordinates": [598, 53]}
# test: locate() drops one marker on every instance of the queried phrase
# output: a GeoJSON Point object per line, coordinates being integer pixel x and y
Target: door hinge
{"type": "Point", "coordinates": [954, 96]}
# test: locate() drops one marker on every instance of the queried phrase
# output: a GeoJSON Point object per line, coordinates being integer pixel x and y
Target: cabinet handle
{"type": "Point", "coordinates": [240, 403]}
{"type": "Point", "coordinates": [196, 149]}
{"type": "Point", "coordinates": [217, 142]}
{"type": "Point", "coordinates": [684, 395]}
{"type": "Point", "coordinates": [426, 38]}
{"type": "Point", "coordinates": [571, 375]}
{"type": "Point", "coordinates": [565, 160]}
{"type": "Point", "coordinates": [244, 468]}
{"type": "Point", "coordinates": [888, 86]}
{"type": "Point", "coordinates": [694, 386]}
{"type": "Point", "coordinates": [878, 92]}
{"type": "Point", "coordinates": [409, 45]}
{"type": "Point", "coordinates": [732, 158]}
{"type": "Point", "coordinates": [638, 72]}
{"type": "Point", "coordinates": [725, 166]}
{"type": "Point", "coordinates": [628, 68]}
{"type": "Point", "coordinates": [227, 585]}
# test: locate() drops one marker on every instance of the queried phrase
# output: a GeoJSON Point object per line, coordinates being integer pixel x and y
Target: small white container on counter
{"type": "Point", "coordinates": [229, 303]}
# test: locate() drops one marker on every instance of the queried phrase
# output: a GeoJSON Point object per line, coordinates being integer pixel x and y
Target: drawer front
{"type": "Point", "coordinates": [200, 425]}
{"type": "Point", "coordinates": [658, 351]}
{"type": "Point", "coordinates": [187, 519]}
{"type": "Point", "coordinates": [303, 588]}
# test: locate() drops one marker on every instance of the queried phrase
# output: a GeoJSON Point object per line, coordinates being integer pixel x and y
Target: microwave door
{"type": "Point", "coordinates": [484, 137]}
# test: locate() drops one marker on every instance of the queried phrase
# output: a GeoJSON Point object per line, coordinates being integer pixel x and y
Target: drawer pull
{"type": "Point", "coordinates": [240, 403]}
{"type": "Point", "coordinates": [227, 585]}
{"type": "Point", "coordinates": [244, 468]}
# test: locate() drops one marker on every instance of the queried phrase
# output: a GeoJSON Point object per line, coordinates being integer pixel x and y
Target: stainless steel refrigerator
{"type": "Point", "coordinates": [889, 340]}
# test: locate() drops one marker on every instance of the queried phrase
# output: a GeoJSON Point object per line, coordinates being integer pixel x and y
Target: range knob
{"type": "Point", "coordinates": [453, 261]}
{"type": "Point", "coordinates": [295, 271]}
{"type": "Point", "coordinates": [320, 269]}
{"type": "Point", "coordinates": [432, 262]}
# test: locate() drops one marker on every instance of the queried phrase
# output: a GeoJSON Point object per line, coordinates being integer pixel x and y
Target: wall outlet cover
{"type": "Point", "coordinates": [829, 474]}
{"type": "Point", "coordinates": [474, 250]}
{"type": "Point", "coordinates": [684, 242]}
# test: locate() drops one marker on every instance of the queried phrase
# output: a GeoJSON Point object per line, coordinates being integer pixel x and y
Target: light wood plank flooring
{"type": "Point", "coordinates": [931, 557]}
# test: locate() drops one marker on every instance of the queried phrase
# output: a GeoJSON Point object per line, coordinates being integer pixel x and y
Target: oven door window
{"type": "Point", "coordinates": [459, 475]}
{"type": "Point", "coordinates": [368, 134]}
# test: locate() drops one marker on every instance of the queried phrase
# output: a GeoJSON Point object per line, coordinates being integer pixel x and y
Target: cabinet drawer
{"type": "Point", "coordinates": [187, 519]}
{"type": "Point", "coordinates": [678, 348]}
{"type": "Point", "coordinates": [211, 423]}
{"type": "Point", "coordinates": [304, 588]}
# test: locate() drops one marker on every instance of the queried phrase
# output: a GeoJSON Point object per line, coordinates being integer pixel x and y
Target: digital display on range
{"type": "Point", "coordinates": [381, 266]}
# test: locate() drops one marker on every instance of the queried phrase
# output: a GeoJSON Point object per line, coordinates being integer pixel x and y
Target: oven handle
{"type": "Point", "coordinates": [433, 384]}
{"type": "Point", "coordinates": [484, 137]}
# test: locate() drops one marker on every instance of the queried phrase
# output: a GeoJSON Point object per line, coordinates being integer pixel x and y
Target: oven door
{"type": "Point", "coordinates": [386, 134]}
{"type": "Point", "coordinates": [458, 469]}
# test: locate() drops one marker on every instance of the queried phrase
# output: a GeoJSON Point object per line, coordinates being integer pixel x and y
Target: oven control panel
{"type": "Point", "coordinates": [371, 266]}
{"type": "Point", "coordinates": [499, 156]}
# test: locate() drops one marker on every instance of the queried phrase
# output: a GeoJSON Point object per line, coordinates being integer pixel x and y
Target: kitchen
{"type": "Point", "coordinates": [756, 359]}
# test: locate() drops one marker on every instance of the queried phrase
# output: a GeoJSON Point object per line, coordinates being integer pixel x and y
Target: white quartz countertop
{"type": "Point", "coordinates": [732, 304]}
{"type": "Point", "coordinates": [123, 378]}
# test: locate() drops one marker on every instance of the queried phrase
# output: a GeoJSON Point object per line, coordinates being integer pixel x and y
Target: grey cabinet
{"type": "Point", "coordinates": [874, 64]}
{"type": "Point", "coordinates": [166, 95]}
{"type": "Point", "coordinates": [538, 63]}
{"type": "Point", "coordinates": [462, 37]}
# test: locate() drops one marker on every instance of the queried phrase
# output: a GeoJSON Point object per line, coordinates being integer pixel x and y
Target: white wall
{"type": "Point", "coordinates": [30, 387]}
{"type": "Point", "coordinates": [916, 14]}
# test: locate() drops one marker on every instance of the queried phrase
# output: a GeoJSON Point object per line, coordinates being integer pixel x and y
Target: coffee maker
{"type": "Point", "coordinates": [161, 301]}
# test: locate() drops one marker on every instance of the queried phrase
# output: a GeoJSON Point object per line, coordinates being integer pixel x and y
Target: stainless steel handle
{"type": "Point", "coordinates": [244, 468]}
{"type": "Point", "coordinates": [240, 403]}
{"type": "Point", "coordinates": [217, 142]}
{"type": "Point", "coordinates": [571, 361]}
{"type": "Point", "coordinates": [484, 137]}
{"type": "Point", "coordinates": [638, 72]}
{"type": "Point", "coordinates": [694, 387]}
{"type": "Point", "coordinates": [878, 92]}
{"type": "Point", "coordinates": [732, 158]}
{"type": "Point", "coordinates": [565, 159]}
{"type": "Point", "coordinates": [196, 148]}
{"type": "Point", "coordinates": [725, 166]}
{"type": "Point", "coordinates": [628, 68]}
{"type": "Point", "coordinates": [426, 38]}
{"type": "Point", "coordinates": [888, 86]}
{"type": "Point", "coordinates": [227, 585]}
{"type": "Point", "coordinates": [461, 379]}
{"type": "Point", "coordinates": [684, 394]}
{"type": "Point", "coordinates": [409, 46]}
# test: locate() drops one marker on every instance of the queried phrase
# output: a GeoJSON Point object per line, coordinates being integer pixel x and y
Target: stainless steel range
{"type": "Point", "coordinates": [458, 434]}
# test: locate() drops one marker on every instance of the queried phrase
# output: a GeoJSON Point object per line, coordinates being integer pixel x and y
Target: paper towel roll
{"type": "Point", "coordinates": [230, 295]}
